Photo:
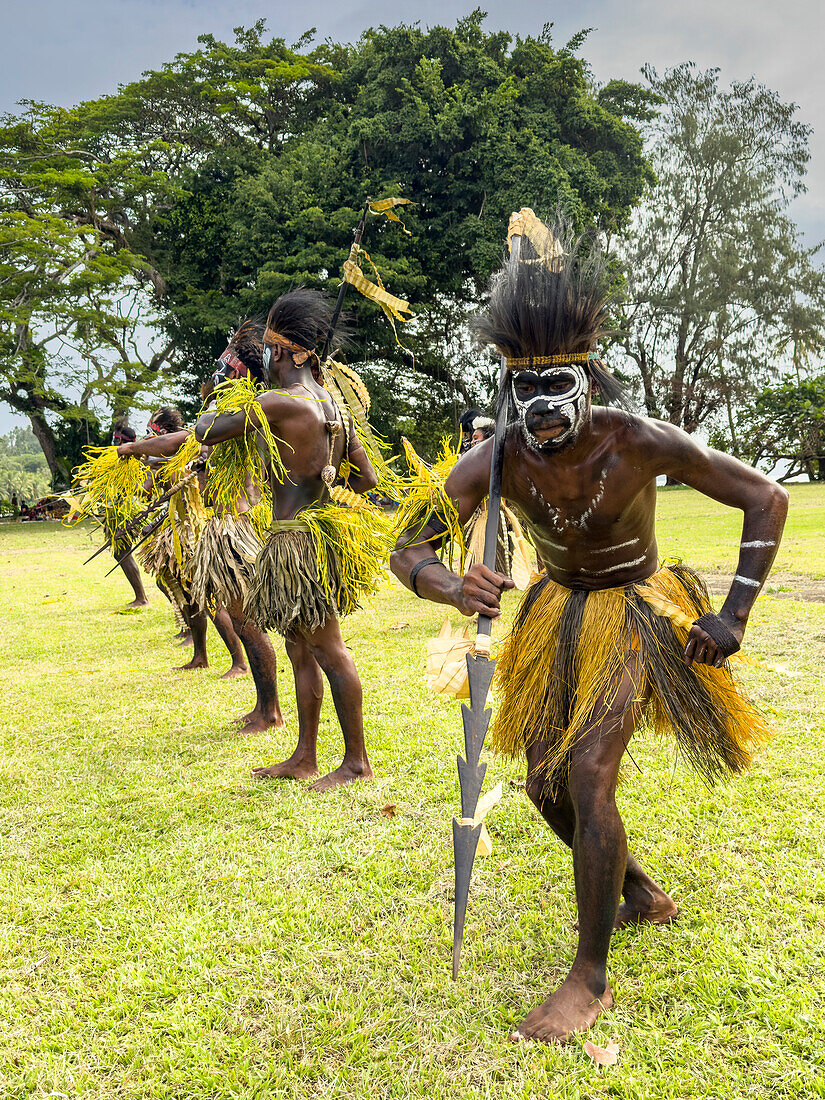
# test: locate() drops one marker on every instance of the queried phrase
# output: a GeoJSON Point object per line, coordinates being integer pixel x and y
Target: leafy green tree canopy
{"type": "Point", "coordinates": [238, 170]}
{"type": "Point", "coordinates": [718, 282]}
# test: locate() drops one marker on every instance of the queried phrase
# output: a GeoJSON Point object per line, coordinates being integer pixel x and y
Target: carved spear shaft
{"type": "Point", "coordinates": [480, 671]}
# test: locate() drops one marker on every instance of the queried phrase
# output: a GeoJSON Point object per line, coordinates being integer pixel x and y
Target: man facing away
{"type": "Point", "coordinates": [304, 575]}
{"type": "Point", "coordinates": [122, 433]}
{"type": "Point", "coordinates": [605, 638]}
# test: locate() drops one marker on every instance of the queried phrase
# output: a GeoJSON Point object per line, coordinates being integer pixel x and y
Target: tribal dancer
{"type": "Point", "coordinates": [122, 433]}
{"type": "Point", "coordinates": [169, 553]}
{"type": "Point", "coordinates": [319, 559]}
{"type": "Point", "coordinates": [607, 637]}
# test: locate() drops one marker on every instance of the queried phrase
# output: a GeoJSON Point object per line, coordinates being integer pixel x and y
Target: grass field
{"type": "Point", "coordinates": [171, 929]}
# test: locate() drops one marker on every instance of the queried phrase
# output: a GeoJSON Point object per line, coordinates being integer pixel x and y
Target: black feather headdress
{"type": "Point", "coordinates": [554, 302]}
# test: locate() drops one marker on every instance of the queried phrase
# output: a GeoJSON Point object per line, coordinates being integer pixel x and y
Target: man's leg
{"type": "Point", "coordinates": [264, 668]}
{"type": "Point", "coordinates": [223, 625]}
{"type": "Point", "coordinates": [130, 568]}
{"type": "Point", "coordinates": [309, 694]}
{"type": "Point", "coordinates": [644, 899]}
{"type": "Point", "coordinates": [326, 646]}
{"type": "Point", "coordinates": [197, 620]}
{"type": "Point", "coordinates": [599, 848]}
{"type": "Point", "coordinates": [337, 664]}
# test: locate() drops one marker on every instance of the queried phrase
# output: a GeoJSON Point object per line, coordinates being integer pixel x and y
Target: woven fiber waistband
{"type": "Point", "coordinates": [295, 524]}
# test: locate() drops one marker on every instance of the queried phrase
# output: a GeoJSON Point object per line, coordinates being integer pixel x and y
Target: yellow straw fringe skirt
{"type": "Point", "coordinates": [569, 650]}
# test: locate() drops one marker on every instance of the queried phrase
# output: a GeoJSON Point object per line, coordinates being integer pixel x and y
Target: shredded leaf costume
{"type": "Point", "coordinates": [329, 557]}
{"type": "Point", "coordinates": [426, 504]}
{"type": "Point", "coordinates": [109, 488]}
{"type": "Point", "coordinates": [569, 648]}
{"type": "Point", "coordinates": [169, 552]}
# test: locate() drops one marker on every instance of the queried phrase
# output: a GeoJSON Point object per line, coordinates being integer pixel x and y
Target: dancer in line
{"type": "Point", "coordinates": [319, 558]}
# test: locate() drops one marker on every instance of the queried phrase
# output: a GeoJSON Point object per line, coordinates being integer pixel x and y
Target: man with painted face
{"type": "Point", "coordinates": [605, 638]}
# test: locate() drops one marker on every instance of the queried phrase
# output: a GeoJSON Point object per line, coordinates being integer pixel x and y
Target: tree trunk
{"type": "Point", "coordinates": [48, 444]}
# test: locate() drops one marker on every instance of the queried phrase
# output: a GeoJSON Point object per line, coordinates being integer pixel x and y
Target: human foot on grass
{"type": "Point", "coordinates": [257, 723]}
{"type": "Point", "coordinates": [646, 907]}
{"type": "Point", "coordinates": [235, 673]}
{"type": "Point", "coordinates": [138, 603]}
{"type": "Point", "coordinates": [298, 766]}
{"type": "Point", "coordinates": [348, 771]}
{"type": "Point", "coordinates": [574, 1007]}
{"type": "Point", "coordinates": [196, 662]}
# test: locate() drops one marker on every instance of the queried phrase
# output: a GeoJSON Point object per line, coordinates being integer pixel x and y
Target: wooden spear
{"type": "Point", "coordinates": [480, 669]}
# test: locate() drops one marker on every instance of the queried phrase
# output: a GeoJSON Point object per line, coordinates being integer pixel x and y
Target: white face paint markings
{"type": "Point", "coordinates": [749, 581]}
{"type": "Point", "coordinates": [757, 544]}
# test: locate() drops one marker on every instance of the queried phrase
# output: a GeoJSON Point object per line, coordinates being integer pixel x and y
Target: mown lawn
{"type": "Point", "coordinates": [170, 928]}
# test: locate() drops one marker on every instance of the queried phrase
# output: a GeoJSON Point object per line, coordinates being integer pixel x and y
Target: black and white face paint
{"type": "Point", "coordinates": [552, 404]}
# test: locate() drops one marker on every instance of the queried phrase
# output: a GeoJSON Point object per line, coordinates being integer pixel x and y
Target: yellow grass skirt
{"type": "Point", "coordinates": [568, 650]}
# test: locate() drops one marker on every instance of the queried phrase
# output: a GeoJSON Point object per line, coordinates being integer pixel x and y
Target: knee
{"type": "Point", "coordinates": [592, 787]}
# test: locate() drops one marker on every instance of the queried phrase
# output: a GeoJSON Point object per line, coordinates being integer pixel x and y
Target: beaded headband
{"type": "Point", "coordinates": [548, 360]}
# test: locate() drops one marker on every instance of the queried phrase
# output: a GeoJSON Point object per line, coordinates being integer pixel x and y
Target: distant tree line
{"type": "Point", "coordinates": [136, 229]}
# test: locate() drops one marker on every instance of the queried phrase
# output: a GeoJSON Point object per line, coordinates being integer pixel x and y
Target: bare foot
{"type": "Point", "coordinates": [185, 639]}
{"type": "Point", "coordinates": [235, 673]}
{"type": "Point", "coordinates": [139, 603]}
{"type": "Point", "coordinates": [244, 719]}
{"type": "Point", "coordinates": [196, 662]}
{"type": "Point", "coordinates": [297, 767]}
{"type": "Point", "coordinates": [651, 909]}
{"type": "Point", "coordinates": [574, 1007]}
{"type": "Point", "coordinates": [346, 772]}
{"type": "Point", "coordinates": [258, 723]}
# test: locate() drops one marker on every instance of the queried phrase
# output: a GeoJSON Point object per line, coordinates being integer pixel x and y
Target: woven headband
{"type": "Point", "coordinates": [548, 360]}
{"type": "Point", "coordinates": [299, 354]}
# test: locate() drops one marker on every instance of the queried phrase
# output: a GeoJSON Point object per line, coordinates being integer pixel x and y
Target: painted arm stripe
{"type": "Point", "coordinates": [756, 544]}
{"type": "Point", "coordinates": [747, 580]}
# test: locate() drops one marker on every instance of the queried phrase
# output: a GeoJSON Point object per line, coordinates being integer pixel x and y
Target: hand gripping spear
{"type": "Point", "coordinates": [480, 671]}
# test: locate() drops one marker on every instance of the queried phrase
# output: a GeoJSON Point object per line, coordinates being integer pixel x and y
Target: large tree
{"type": "Point", "coordinates": [239, 170]}
{"type": "Point", "coordinates": [468, 125]}
{"type": "Point", "coordinates": [784, 428]}
{"type": "Point", "coordinates": [718, 281]}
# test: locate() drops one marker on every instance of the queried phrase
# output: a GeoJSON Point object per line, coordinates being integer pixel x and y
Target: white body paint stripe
{"type": "Point", "coordinates": [618, 546]}
{"type": "Point", "coordinates": [746, 580]}
{"type": "Point", "coordinates": [614, 568]}
{"type": "Point", "coordinates": [756, 544]}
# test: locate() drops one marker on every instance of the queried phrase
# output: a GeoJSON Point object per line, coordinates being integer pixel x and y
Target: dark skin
{"type": "Point", "coordinates": [128, 564]}
{"type": "Point", "coordinates": [157, 448]}
{"type": "Point", "coordinates": [297, 410]}
{"type": "Point", "coordinates": [590, 508]}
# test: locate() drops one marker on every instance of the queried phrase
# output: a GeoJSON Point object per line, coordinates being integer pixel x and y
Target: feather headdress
{"type": "Point", "coordinates": [547, 308]}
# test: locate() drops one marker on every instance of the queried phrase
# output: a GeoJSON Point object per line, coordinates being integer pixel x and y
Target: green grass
{"type": "Point", "coordinates": [707, 535]}
{"type": "Point", "coordinates": [171, 929]}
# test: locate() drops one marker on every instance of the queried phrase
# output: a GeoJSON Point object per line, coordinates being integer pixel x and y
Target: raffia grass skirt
{"type": "Point", "coordinates": [568, 650]}
{"type": "Point", "coordinates": [287, 593]}
{"type": "Point", "coordinates": [323, 563]}
{"type": "Point", "coordinates": [223, 563]}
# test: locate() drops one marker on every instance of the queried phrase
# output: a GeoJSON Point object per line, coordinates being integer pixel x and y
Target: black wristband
{"type": "Point", "coordinates": [416, 569]}
{"type": "Point", "coordinates": [713, 625]}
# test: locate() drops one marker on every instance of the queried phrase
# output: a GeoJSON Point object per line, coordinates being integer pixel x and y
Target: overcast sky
{"type": "Point", "coordinates": [63, 51]}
